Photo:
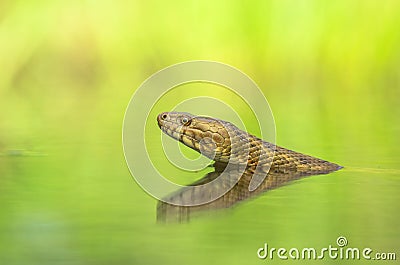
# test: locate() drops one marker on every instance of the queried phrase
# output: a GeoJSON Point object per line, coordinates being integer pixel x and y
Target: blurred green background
{"type": "Point", "coordinates": [329, 69]}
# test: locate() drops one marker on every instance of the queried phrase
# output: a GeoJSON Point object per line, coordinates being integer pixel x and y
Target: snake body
{"type": "Point", "coordinates": [223, 142]}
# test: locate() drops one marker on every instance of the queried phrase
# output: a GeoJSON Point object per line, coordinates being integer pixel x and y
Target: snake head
{"type": "Point", "coordinates": [211, 137]}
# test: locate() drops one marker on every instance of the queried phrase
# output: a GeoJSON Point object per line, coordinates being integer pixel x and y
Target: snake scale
{"type": "Point", "coordinates": [223, 142]}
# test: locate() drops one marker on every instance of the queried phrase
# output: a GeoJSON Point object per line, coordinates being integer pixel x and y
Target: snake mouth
{"type": "Point", "coordinates": [176, 125]}
{"type": "Point", "coordinates": [169, 127]}
{"type": "Point", "coordinates": [162, 118]}
{"type": "Point", "coordinates": [159, 121]}
{"type": "Point", "coordinates": [164, 124]}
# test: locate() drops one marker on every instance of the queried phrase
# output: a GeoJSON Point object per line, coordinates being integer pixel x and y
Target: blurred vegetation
{"type": "Point", "coordinates": [331, 73]}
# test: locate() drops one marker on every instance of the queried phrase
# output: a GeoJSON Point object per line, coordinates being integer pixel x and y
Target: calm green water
{"type": "Point", "coordinates": [78, 204]}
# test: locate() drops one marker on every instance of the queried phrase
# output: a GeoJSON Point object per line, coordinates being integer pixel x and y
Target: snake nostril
{"type": "Point", "coordinates": [164, 116]}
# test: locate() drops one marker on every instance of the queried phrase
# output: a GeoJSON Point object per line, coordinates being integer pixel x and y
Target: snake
{"type": "Point", "coordinates": [224, 143]}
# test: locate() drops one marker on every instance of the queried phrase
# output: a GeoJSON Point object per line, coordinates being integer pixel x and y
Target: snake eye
{"type": "Point", "coordinates": [186, 121]}
{"type": "Point", "coordinates": [164, 116]}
